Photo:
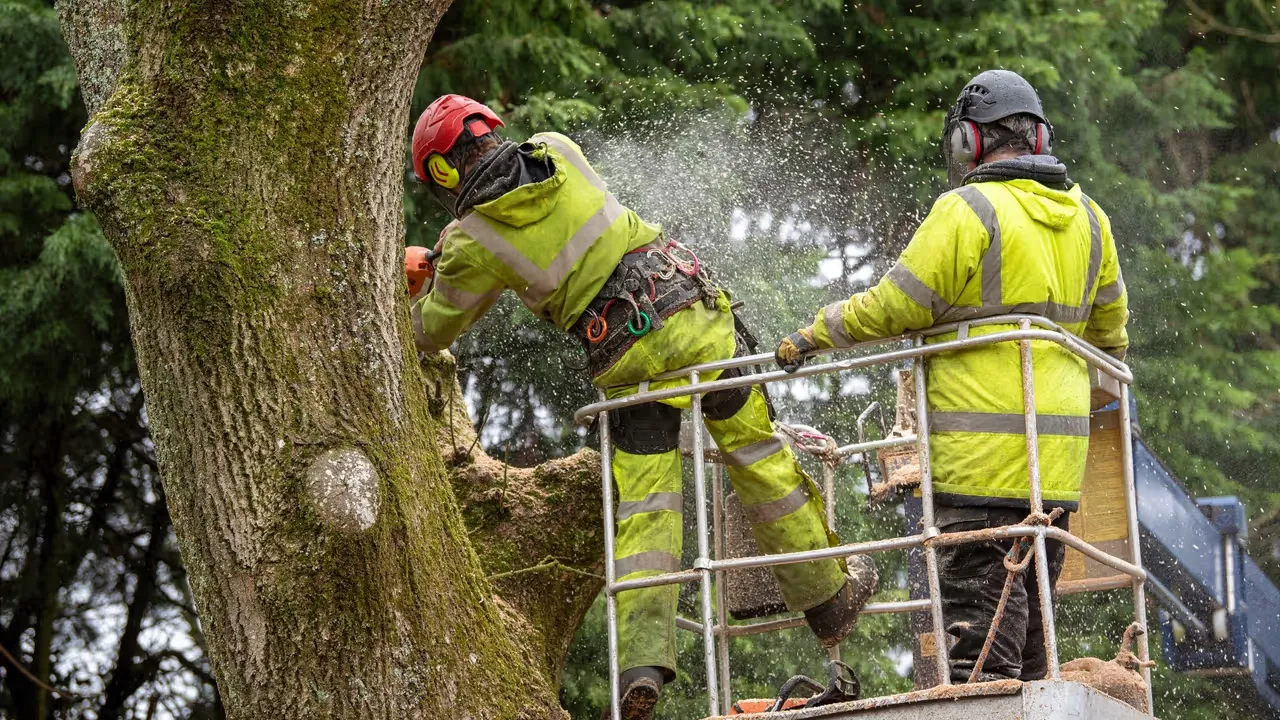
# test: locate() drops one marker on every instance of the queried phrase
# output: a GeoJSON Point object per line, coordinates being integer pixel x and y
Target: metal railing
{"type": "Point", "coordinates": [714, 627]}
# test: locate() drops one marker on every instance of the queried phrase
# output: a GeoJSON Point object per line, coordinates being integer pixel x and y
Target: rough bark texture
{"type": "Point", "coordinates": [538, 530]}
{"type": "Point", "coordinates": [245, 158]}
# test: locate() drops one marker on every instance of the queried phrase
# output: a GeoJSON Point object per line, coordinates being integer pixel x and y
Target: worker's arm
{"type": "Point", "coordinates": [928, 278]}
{"type": "Point", "coordinates": [1110, 313]}
{"type": "Point", "coordinates": [462, 293]}
{"type": "Point", "coordinates": [926, 281]}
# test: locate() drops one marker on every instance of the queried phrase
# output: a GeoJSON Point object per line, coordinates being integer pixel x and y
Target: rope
{"type": "Point", "coordinates": [804, 442]}
{"type": "Point", "coordinates": [548, 563]}
{"type": "Point", "coordinates": [4, 652]}
{"type": "Point", "coordinates": [1014, 566]}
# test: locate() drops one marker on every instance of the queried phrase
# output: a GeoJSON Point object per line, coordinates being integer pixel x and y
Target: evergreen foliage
{"type": "Point", "coordinates": [93, 594]}
{"type": "Point", "coordinates": [796, 145]}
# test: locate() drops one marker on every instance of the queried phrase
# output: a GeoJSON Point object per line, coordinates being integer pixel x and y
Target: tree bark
{"type": "Point", "coordinates": [246, 163]}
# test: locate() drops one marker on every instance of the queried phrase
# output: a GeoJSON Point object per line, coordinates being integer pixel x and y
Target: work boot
{"type": "Point", "coordinates": [640, 688]}
{"type": "Point", "coordinates": [835, 618]}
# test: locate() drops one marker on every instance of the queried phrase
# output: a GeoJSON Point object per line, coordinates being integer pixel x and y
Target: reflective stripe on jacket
{"type": "Point", "coordinates": [991, 249]}
{"type": "Point", "coordinates": [554, 242]}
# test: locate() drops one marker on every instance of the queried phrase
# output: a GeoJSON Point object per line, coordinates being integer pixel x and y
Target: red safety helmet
{"type": "Point", "coordinates": [441, 124]}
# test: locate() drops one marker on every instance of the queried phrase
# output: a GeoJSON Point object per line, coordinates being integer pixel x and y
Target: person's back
{"type": "Point", "coordinates": [1032, 249]}
{"type": "Point", "coordinates": [1015, 236]}
{"type": "Point", "coordinates": [537, 219]}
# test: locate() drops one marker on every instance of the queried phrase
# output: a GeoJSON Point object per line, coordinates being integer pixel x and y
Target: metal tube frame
{"type": "Point", "coordinates": [829, 495]}
{"type": "Point", "coordinates": [703, 563]}
{"type": "Point", "coordinates": [610, 578]}
{"type": "Point", "coordinates": [722, 590]}
{"type": "Point", "coordinates": [714, 627]}
{"type": "Point", "coordinates": [1031, 431]}
{"type": "Point", "coordinates": [929, 531]}
{"type": "Point", "coordinates": [1135, 544]}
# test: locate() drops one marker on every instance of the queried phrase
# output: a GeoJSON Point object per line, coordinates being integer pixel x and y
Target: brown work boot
{"type": "Point", "coordinates": [834, 619]}
{"type": "Point", "coordinates": [640, 689]}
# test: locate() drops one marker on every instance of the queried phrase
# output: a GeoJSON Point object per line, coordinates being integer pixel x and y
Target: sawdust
{"type": "Point", "coordinates": [1118, 678]}
{"type": "Point", "coordinates": [899, 466]}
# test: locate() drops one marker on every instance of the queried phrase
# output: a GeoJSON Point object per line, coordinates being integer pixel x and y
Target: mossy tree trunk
{"type": "Point", "coordinates": [246, 158]}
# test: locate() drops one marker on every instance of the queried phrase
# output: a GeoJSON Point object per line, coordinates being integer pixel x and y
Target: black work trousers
{"type": "Point", "coordinates": [972, 578]}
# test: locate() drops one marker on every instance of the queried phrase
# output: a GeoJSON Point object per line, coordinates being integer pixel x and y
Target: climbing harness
{"type": "Point", "coordinates": [650, 284]}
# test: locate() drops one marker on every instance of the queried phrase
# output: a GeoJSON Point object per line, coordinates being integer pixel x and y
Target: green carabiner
{"type": "Point", "coordinates": [644, 326]}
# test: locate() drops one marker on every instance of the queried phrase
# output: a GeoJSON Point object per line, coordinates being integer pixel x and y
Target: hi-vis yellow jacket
{"type": "Point", "coordinates": [990, 249]}
{"type": "Point", "coordinates": [554, 243]}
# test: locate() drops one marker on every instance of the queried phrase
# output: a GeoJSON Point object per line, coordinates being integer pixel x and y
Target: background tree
{"type": "Point", "coordinates": [804, 138]}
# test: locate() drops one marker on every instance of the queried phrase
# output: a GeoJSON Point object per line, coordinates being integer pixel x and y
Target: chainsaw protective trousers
{"type": "Point", "coordinates": [784, 506]}
{"type": "Point", "coordinates": [972, 577]}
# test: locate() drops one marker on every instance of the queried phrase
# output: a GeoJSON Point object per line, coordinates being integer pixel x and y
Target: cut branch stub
{"type": "Point", "coordinates": [343, 488]}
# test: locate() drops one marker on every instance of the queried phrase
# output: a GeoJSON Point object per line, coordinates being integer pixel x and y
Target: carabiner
{"type": "Point", "coordinates": [691, 268]}
{"type": "Point", "coordinates": [668, 270]}
{"type": "Point", "coordinates": [644, 328]}
{"type": "Point", "coordinates": [597, 329]}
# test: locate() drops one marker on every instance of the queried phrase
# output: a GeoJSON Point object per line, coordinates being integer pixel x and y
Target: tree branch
{"type": "Point", "coordinates": [537, 530]}
{"type": "Point", "coordinates": [1205, 22]}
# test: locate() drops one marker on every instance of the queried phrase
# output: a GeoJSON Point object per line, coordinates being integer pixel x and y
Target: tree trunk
{"type": "Point", "coordinates": [246, 161]}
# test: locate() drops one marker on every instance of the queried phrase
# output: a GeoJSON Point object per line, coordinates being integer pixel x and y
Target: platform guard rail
{"type": "Point", "coordinates": [707, 570]}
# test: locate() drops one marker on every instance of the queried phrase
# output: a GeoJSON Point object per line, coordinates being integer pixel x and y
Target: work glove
{"type": "Point", "coordinates": [791, 351]}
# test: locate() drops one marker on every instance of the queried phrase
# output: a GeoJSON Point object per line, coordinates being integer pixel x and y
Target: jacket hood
{"type": "Point", "coordinates": [1039, 183]}
{"type": "Point", "coordinates": [518, 187]}
{"type": "Point", "coordinates": [1047, 206]}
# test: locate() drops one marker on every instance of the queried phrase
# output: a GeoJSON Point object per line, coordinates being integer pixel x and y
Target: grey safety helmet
{"type": "Point", "coordinates": [992, 95]}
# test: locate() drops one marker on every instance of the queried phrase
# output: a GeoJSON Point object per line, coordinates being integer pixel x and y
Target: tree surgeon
{"type": "Point", "coordinates": [535, 218]}
{"type": "Point", "coordinates": [1014, 236]}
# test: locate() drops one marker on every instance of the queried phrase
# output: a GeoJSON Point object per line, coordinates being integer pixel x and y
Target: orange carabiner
{"type": "Point", "coordinates": [597, 329]}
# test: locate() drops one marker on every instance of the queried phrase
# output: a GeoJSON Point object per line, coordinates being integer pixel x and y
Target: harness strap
{"type": "Point", "coordinates": [648, 286]}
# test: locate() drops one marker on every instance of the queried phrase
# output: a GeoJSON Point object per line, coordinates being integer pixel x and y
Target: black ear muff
{"type": "Point", "coordinates": [966, 142]}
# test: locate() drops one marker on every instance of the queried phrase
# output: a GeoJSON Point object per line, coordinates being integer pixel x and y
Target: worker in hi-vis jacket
{"type": "Point", "coordinates": [536, 219]}
{"type": "Point", "coordinates": [1014, 236]}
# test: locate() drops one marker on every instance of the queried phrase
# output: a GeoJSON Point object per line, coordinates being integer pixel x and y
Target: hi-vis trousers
{"type": "Point", "coordinates": [784, 506]}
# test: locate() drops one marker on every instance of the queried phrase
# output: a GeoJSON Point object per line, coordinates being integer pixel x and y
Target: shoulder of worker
{"type": "Point", "coordinates": [1103, 219]}
{"type": "Point", "coordinates": [559, 143]}
{"type": "Point", "coordinates": [957, 211]}
{"type": "Point", "coordinates": [458, 244]}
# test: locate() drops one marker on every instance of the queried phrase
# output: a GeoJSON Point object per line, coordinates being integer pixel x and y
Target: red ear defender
{"type": "Point", "coordinates": [977, 140]}
{"type": "Point", "coordinates": [1044, 139]}
{"type": "Point", "coordinates": [966, 142]}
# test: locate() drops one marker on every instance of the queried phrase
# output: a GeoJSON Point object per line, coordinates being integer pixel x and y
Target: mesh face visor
{"type": "Point", "coordinates": [955, 169]}
{"type": "Point", "coordinates": [447, 200]}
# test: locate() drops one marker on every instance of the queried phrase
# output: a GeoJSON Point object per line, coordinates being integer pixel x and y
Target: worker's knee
{"type": "Point", "coordinates": [649, 429]}
{"type": "Point", "coordinates": [724, 404]}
